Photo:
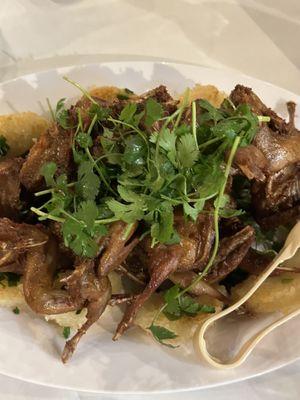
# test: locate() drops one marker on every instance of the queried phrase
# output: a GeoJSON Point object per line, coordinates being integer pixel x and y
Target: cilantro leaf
{"type": "Point", "coordinates": [222, 201]}
{"type": "Point", "coordinates": [48, 171]}
{"type": "Point", "coordinates": [192, 308]}
{"type": "Point", "coordinates": [87, 212]}
{"type": "Point", "coordinates": [80, 231]}
{"type": "Point", "coordinates": [162, 230]}
{"type": "Point", "coordinates": [88, 184]}
{"type": "Point", "coordinates": [61, 114]}
{"type": "Point", "coordinates": [250, 130]}
{"type": "Point", "coordinates": [129, 195]}
{"type": "Point", "coordinates": [229, 213]}
{"type": "Point", "coordinates": [167, 141]}
{"type": "Point", "coordinates": [211, 112]}
{"type": "Point", "coordinates": [128, 112]}
{"type": "Point", "coordinates": [84, 140]}
{"type": "Point", "coordinates": [76, 237]}
{"type": "Point", "coordinates": [101, 112]}
{"type": "Point", "coordinates": [187, 151]}
{"type": "Point", "coordinates": [135, 151]}
{"type": "Point", "coordinates": [171, 300]}
{"type": "Point", "coordinates": [66, 332]}
{"type": "Point", "coordinates": [207, 309]}
{"type": "Point", "coordinates": [16, 310]}
{"type": "Point", "coordinates": [125, 212]}
{"type": "Point", "coordinates": [110, 147]}
{"type": "Point", "coordinates": [193, 211]}
{"type": "Point", "coordinates": [208, 177]}
{"type": "Point", "coordinates": [178, 305]}
{"type": "Point", "coordinates": [161, 334]}
{"type": "Point", "coordinates": [153, 111]}
{"type": "Point", "coordinates": [4, 147]}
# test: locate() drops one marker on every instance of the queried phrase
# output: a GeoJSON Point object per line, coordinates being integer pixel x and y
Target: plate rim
{"type": "Point", "coordinates": [231, 72]}
{"type": "Point", "coordinates": [152, 62]}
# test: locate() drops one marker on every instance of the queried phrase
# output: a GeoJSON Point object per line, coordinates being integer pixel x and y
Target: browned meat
{"type": "Point", "coordinates": [162, 260]}
{"type": "Point", "coordinates": [15, 240]}
{"type": "Point", "coordinates": [41, 264]}
{"type": "Point", "coordinates": [54, 145]}
{"type": "Point", "coordinates": [68, 257]}
{"type": "Point", "coordinates": [269, 153]}
{"type": "Point", "coordinates": [10, 187]}
{"type": "Point", "coordinates": [287, 217]}
{"type": "Point", "coordinates": [166, 262]}
{"type": "Point", "coordinates": [96, 293]}
{"type": "Point", "coordinates": [231, 252]}
{"type": "Point", "coordinates": [252, 162]}
{"type": "Point", "coordinates": [245, 95]}
{"type": "Point", "coordinates": [116, 246]}
{"type": "Point", "coordinates": [255, 263]}
{"type": "Point", "coordinates": [160, 94]}
{"type": "Point", "coordinates": [280, 151]}
{"type": "Point", "coordinates": [273, 159]}
{"type": "Point", "coordinates": [280, 192]}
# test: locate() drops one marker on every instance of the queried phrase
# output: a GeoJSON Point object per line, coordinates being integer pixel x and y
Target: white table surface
{"type": "Point", "coordinates": [257, 37]}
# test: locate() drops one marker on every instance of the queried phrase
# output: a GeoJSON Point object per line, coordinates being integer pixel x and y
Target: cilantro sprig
{"type": "Point", "coordinates": [140, 164]}
{"type": "Point", "coordinates": [149, 163]}
{"type": "Point", "coordinates": [178, 305]}
{"type": "Point", "coordinates": [174, 298]}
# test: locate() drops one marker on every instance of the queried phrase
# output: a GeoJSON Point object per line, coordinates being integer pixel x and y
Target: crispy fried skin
{"type": "Point", "coordinates": [10, 187]}
{"type": "Point", "coordinates": [96, 293]}
{"type": "Point", "coordinates": [54, 145]}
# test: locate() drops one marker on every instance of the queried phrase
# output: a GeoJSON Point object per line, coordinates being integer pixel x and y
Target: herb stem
{"type": "Point", "coordinates": [87, 150]}
{"type": "Point", "coordinates": [211, 141]}
{"type": "Point", "coordinates": [263, 118]}
{"type": "Point", "coordinates": [83, 91]}
{"type": "Point", "coordinates": [107, 156]}
{"type": "Point", "coordinates": [194, 122]}
{"type": "Point", "coordinates": [46, 191]}
{"type": "Point", "coordinates": [116, 121]}
{"type": "Point", "coordinates": [71, 217]}
{"type": "Point", "coordinates": [216, 227]}
{"type": "Point", "coordinates": [178, 117]}
{"type": "Point", "coordinates": [106, 221]}
{"type": "Point", "coordinates": [216, 217]}
{"type": "Point", "coordinates": [171, 117]}
{"type": "Point", "coordinates": [50, 109]}
{"type": "Point", "coordinates": [128, 230]}
{"type": "Point", "coordinates": [47, 215]}
{"type": "Point", "coordinates": [94, 120]}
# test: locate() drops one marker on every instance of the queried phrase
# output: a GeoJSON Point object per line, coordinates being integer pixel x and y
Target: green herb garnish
{"type": "Point", "coordinates": [177, 306]}
{"type": "Point", "coordinates": [16, 310]}
{"type": "Point", "coordinates": [161, 334]}
{"type": "Point", "coordinates": [61, 115]}
{"type": "Point", "coordinates": [142, 176]}
{"type": "Point", "coordinates": [149, 164]}
{"type": "Point", "coordinates": [66, 332]}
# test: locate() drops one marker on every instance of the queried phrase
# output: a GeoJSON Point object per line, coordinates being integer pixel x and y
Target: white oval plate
{"type": "Point", "coordinates": [30, 348]}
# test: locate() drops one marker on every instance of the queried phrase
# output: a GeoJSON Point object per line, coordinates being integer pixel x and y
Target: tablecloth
{"type": "Point", "coordinates": [257, 37]}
